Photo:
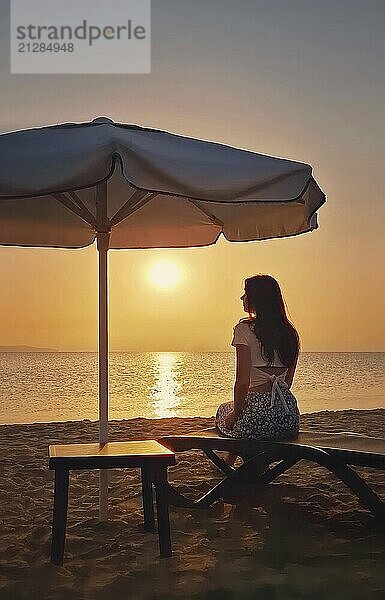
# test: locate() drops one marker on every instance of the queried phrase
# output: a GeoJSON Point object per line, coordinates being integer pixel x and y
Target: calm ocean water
{"type": "Point", "coordinates": [40, 387]}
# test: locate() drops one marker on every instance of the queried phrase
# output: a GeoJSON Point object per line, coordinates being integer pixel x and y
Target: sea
{"type": "Point", "coordinates": [46, 387]}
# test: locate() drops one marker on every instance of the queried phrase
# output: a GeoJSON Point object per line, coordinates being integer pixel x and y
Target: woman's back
{"type": "Point", "coordinates": [259, 369]}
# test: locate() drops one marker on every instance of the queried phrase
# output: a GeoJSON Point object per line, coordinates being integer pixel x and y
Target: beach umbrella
{"type": "Point", "coordinates": [126, 186]}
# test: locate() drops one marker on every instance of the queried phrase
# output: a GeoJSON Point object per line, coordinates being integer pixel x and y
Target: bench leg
{"type": "Point", "coordinates": [148, 499]}
{"type": "Point", "coordinates": [219, 462]}
{"type": "Point", "coordinates": [59, 523]}
{"type": "Point", "coordinates": [359, 487]}
{"type": "Point", "coordinates": [162, 509]}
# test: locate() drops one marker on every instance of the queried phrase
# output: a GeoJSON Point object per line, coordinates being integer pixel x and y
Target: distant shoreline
{"type": "Point", "coordinates": [32, 349]}
{"type": "Point", "coordinates": [27, 349]}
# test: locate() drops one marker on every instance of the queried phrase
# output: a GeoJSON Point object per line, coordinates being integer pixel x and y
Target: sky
{"type": "Point", "coordinates": [302, 80]}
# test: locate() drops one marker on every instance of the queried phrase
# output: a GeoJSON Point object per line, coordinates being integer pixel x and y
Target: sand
{"type": "Point", "coordinates": [303, 536]}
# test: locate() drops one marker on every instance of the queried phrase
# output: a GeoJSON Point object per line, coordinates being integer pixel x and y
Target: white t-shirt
{"type": "Point", "coordinates": [244, 335]}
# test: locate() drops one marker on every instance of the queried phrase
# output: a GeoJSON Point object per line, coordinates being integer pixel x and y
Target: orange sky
{"type": "Point", "coordinates": [275, 85]}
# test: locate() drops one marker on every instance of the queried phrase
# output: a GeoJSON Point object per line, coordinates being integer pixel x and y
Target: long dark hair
{"type": "Point", "coordinates": [271, 326]}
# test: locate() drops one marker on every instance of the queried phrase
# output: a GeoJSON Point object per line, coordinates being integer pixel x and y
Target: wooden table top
{"type": "Point", "coordinates": [118, 453]}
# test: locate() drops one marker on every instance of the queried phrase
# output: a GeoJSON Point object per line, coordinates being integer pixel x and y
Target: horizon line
{"type": "Point", "coordinates": [31, 350]}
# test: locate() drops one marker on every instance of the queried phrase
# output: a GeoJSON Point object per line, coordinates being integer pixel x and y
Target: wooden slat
{"type": "Point", "coordinates": [354, 448]}
{"type": "Point", "coordinates": [110, 455]}
{"type": "Point", "coordinates": [143, 448]}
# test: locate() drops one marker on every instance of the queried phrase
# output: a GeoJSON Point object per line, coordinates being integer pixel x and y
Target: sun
{"type": "Point", "coordinates": [164, 274]}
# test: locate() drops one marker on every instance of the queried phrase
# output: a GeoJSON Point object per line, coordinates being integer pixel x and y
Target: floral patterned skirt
{"type": "Point", "coordinates": [259, 420]}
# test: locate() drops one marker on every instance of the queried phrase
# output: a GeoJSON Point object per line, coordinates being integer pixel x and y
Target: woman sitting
{"type": "Point", "coordinates": [267, 347]}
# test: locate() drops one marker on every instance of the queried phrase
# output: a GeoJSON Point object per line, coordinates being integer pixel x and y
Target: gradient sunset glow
{"type": "Point", "coordinates": [253, 75]}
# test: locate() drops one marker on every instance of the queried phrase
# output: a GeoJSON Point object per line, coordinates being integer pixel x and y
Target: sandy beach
{"type": "Point", "coordinates": [303, 536]}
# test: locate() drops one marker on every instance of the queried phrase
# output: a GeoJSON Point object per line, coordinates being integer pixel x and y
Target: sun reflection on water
{"type": "Point", "coordinates": [164, 393]}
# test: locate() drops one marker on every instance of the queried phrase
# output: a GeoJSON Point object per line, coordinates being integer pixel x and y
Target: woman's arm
{"type": "Point", "coordinates": [290, 372]}
{"type": "Point", "coordinates": [242, 378]}
{"type": "Point", "coordinates": [241, 385]}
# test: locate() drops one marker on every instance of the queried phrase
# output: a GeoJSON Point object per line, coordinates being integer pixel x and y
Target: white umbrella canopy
{"type": "Point", "coordinates": [64, 186]}
{"type": "Point", "coordinates": [163, 190]}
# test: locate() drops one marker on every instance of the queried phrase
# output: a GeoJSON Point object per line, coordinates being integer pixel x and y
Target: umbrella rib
{"type": "Point", "coordinates": [78, 210]}
{"type": "Point", "coordinates": [82, 206]}
{"type": "Point", "coordinates": [212, 218]}
{"type": "Point", "coordinates": [137, 200]}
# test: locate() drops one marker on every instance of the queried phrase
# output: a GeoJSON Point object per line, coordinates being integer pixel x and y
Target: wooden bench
{"type": "Point", "coordinates": [151, 457]}
{"type": "Point", "coordinates": [334, 451]}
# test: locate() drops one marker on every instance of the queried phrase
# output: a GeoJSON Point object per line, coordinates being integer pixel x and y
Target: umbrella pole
{"type": "Point", "coordinates": [103, 370]}
{"type": "Point", "coordinates": [103, 238]}
{"type": "Point", "coordinates": [103, 341]}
